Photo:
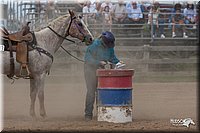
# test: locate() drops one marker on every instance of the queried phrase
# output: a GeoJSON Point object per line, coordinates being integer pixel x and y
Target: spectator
{"type": "Point", "coordinates": [104, 4]}
{"type": "Point", "coordinates": [190, 14]}
{"type": "Point", "coordinates": [38, 9]}
{"type": "Point", "coordinates": [177, 22]}
{"type": "Point", "coordinates": [119, 12]}
{"type": "Point", "coordinates": [51, 10]}
{"type": "Point", "coordinates": [97, 4]}
{"type": "Point", "coordinates": [146, 5]}
{"type": "Point", "coordinates": [129, 4]}
{"type": "Point", "coordinates": [156, 20]}
{"type": "Point", "coordinates": [89, 13]}
{"type": "Point", "coordinates": [134, 12]}
{"type": "Point", "coordinates": [107, 17]}
{"type": "Point", "coordinates": [177, 6]}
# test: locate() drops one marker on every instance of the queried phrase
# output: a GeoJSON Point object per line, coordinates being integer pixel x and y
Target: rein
{"type": "Point", "coordinates": [60, 35]}
{"type": "Point", "coordinates": [72, 55]}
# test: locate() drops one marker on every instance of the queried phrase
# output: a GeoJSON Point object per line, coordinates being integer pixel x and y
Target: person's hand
{"type": "Point", "coordinates": [121, 62]}
{"type": "Point", "coordinates": [102, 63]}
{"type": "Point", "coordinates": [119, 65]}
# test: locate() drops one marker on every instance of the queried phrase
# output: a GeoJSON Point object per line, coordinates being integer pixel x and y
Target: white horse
{"type": "Point", "coordinates": [40, 59]}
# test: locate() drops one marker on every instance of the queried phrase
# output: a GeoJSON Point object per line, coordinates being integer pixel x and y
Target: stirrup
{"type": "Point", "coordinates": [24, 71]}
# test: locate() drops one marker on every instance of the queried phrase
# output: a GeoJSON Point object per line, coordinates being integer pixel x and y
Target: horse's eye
{"type": "Point", "coordinates": [80, 24]}
{"type": "Point", "coordinates": [80, 17]}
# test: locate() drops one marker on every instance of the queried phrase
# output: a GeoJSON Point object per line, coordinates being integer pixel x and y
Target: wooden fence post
{"type": "Point", "coordinates": [145, 59]}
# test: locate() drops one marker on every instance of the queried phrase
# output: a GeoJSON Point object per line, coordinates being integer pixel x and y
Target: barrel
{"type": "Point", "coordinates": [114, 95]}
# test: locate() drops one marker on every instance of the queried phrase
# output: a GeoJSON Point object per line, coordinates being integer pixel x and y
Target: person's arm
{"type": "Point", "coordinates": [113, 59]}
{"type": "Point", "coordinates": [123, 14]}
{"type": "Point", "coordinates": [141, 14]}
{"type": "Point", "coordinates": [110, 17]}
{"type": "Point", "coordinates": [185, 14]}
{"type": "Point", "coordinates": [173, 19]}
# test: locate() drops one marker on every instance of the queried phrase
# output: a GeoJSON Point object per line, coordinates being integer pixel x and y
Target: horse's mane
{"type": "Point", "coordinates": [59, 19]}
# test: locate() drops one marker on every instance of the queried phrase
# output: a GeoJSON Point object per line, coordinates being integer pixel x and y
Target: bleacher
{"type": "Point", "coordinates": [126, 33]}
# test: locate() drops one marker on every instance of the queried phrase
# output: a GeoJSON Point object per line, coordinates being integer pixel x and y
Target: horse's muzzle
{"type": "Point", "coordinates": [88, 40]}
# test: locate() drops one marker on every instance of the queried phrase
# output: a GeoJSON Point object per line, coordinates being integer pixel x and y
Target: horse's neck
{"type": "Point", "coordinates": [48, 40]}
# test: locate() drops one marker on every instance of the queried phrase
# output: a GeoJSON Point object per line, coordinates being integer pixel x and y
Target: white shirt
{"type": "Point", "coordinates": [189, 13]}
{"type": "Point", "coordinates": [119, 11]}
{"type": "Point", "coordinates": [135, 13]}
{"type": "Point", "coordinates": [87, 10]}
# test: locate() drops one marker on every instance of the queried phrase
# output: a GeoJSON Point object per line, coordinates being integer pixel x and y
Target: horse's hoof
{"type": "Point", "coordinates": [43, 116]}
{"type": "Point", "coordinates": [34, 118]}
{"type": "Point", "coordinates": [32, 115]}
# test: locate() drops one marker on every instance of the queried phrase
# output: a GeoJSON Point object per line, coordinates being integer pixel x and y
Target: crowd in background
{"type": "Point", "coordinates": [177, 16]}
{"type": "Point", "coordinates": [134, 12]}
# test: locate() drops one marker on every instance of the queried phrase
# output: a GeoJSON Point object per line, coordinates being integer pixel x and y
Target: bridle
{"type": "Point", "coordinates": [65, 38]}
{"type": "Point", "coordinates": [67, 34]}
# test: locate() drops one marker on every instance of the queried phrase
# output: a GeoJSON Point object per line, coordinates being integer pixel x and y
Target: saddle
{"type": "Point", "coordinates": [18, 42]}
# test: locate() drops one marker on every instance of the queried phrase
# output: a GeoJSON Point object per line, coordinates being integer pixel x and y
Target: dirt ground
{"type": "Point", "coordinates": [154, 104]}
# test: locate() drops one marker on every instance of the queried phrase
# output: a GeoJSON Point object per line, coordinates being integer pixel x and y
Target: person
{"type": "Point", "coordinates": [134, 12]}
{"type": "Point", "coordinates": [178, 21]}
{"type": "Point", "coordinates": [51, 10]}
{"type": "Point", "coordinates": [107, 17]}
{"type": "Point", "coordinates": [97, 54]}
{"type": "Point", "coordinates": [177, 6]}
{"type": "Point", "coordinates": [89, 13]}
{"type": "Point", "coordinates": [156, 20]}
{"type": "Point", "coordinates": [106, 3]}
{"type": "Point", "coordinates": [190, 14]}
{"type": "Point", "coordinates": [119, 12]}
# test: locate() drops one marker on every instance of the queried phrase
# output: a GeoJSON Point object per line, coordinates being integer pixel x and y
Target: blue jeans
{"type": "Point", "coordinates": [161, 27]}
{"type": "Point", "coordinates": [91, 84]}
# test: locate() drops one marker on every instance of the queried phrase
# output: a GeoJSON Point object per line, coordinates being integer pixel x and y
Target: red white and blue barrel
{"type": "Point", "coordinates": [114, 95]}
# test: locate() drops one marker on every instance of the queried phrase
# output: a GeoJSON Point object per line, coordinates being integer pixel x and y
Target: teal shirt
{"type": "Point", "coordinates": [97, 52]}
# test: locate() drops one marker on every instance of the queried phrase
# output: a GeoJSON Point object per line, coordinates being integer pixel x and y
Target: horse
{"type": "Point", "coordinates": [48, 39]}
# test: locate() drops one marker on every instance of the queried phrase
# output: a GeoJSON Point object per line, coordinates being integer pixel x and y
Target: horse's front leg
{"type": "Point", "coordinates": [33, 93]}
{"type": "Point", "coordinates": [37, 87]}
{"type": "Point", "coordinates": [41, 80]}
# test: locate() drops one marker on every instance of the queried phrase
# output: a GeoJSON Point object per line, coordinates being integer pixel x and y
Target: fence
{"type": "Point", "coordinates": [144, 59]}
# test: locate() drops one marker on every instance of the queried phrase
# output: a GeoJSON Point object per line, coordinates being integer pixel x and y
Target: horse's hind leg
{"type": "Point", "coordinates": [33, 93]}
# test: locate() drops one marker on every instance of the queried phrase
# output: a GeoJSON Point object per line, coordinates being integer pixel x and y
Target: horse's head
{"type": "Point", "coordinates": [78, 29]}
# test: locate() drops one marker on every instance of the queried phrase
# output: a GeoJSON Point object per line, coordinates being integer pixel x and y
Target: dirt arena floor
{"type": "Point", "coordinates": [154, 104]}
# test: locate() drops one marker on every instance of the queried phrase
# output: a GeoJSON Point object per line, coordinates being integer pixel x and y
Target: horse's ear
{"type": "Point", "coordinates": [71, 13]}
